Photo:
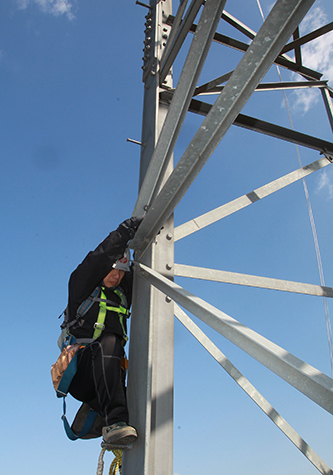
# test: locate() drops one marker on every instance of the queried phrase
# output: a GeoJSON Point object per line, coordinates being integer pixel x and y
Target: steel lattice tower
{"type": "Point", "coordinates": [162, 186]}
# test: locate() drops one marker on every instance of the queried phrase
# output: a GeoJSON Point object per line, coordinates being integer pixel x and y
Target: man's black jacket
{"type": "Point", "coordinates": [90, 274]}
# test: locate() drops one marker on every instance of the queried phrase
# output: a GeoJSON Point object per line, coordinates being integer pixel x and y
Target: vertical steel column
{"type": "Point", "coordinates": [150, 377]}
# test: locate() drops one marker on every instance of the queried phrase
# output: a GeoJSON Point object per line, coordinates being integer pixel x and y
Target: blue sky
{"type": "Point", "coordinates": [71, 94]}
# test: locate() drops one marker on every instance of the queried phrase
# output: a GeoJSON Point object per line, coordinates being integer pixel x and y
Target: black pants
{"type": "Point", "coordinates": [100, 381]}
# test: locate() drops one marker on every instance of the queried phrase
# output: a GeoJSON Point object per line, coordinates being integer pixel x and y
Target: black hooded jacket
{"type": "Point", "coordinates": [90, 274]}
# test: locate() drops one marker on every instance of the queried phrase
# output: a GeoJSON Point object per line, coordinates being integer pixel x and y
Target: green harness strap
{"type": "Point", "coordinates": [103, 307]}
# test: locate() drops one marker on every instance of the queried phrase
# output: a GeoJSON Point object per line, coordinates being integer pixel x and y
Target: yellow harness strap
{"type": "Point", "coordinates": [103, 307]}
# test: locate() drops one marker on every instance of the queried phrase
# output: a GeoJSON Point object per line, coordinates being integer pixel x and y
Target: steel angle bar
{"type": "Point", "coordinates": [179, 38]}
{"type": "Point", "coordinates": [204, 88]}
{"type": "Point", "coordinates": [261, 126]}
{"type": "Point", "coordinates": [203, 273]}
{"type": "Point", "coordinates": [243, 201]}
{"type": "Point", "coordinates": [297, 68]}
{"type": "Point", "coordinates": [272, 86]}
{"type": "Point", "coordinates": [283, 61]}
{"type": "Point", "coordinates": [330, 91]}
{"type": "Point", "coordinates": [182, 97]}
{"type": "Point", "coordinates": [307, 379]}
{"type": "Point", "coordinates": [175, 28]}
{"type": "Point", "coordinates": [251, 391]}
{"type": "Point", "coordinates": [280, 60]}
{"type": "Point", "coordinates": [242, 28]}
{"type": "Point", "coordinates": [283, 133]}
{"type": "Point", "coordinates": [212, 88]}
{"type": "Point", "coordinates": [307, 38]}
{"type": "Point", "coordinates": [277, 28]}
{"type": "Point", "coordinates": [297, 48]}
{"type": "Point", "coordinates": [238, 25]}
{"type": "Point", "coordinates": [328, 104]}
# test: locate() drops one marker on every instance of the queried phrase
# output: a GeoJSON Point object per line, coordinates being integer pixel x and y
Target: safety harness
{"type": "Point", "coordinates": [67, 341]}
{"type": "Point", "coordinates": [104, 307]}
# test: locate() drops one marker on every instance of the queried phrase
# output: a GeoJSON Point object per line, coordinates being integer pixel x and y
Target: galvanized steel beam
{"type": "Point", "coordinates": [182, 97]}
{"type": "Point", "coordinates": [150, 375]}
{"type": "Point", "coordinates": [243, 201]}
{"type": "Point", "coordinates": [261, 126]}
{"type": "Point", "coordinates": [282, 59]}
{"type": "Point", "coordinates": [252, 392]}
{"type": "Point", "coordinates": [278, 27]}
{"type": "Point", "coordinates": [203, 273]}
{"type": "Point", "coordinates": [307, 379]}
{"type": "Point", "coordinates": [238, 25]}
{"type": "Point", "coordinates": [212, 88]}
{"type": "Point", "coordinates": [306, 38]}
{"type": "Point", "coordinates": [297, 48]}
{"type": "Point", "coordinates": [179, 31]}
{"type": "Point", "coordinates": [327, 98]}
{"type": "Point", "coordinates": [174, 30]}
{"type": "Point", "coordinates": [267, 128]}
{"type": "Point", "coordinates": [205, 87]}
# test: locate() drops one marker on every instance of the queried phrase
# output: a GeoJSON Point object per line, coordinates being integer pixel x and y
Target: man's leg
{"type": "Point", "coordinates": [100, 382]}
{"type": "Point", "coordinates": [99, 379]}
{"type": "Point", "coordinates": [109, 380]}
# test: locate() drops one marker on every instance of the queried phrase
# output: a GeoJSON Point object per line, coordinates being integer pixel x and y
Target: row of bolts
{"type": "Point", "coordinates": [148, 39]}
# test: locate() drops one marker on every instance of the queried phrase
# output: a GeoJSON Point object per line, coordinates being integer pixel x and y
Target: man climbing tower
{"type": "Point", "coordinates": [104, 277]}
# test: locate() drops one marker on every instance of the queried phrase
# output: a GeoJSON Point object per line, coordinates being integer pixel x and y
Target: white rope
{"type": "Point", "coordinates": [100, 465]}
{"type": "Point", "coordinates": [313, 226]}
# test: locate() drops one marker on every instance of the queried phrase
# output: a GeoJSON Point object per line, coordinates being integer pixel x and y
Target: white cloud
{"type": "Point", "coordinates": [53, 7]}
{"type": "Point", "coordinates": [317, 55]}
{"type": "Point", "coordinates": [325, 184]}
{"type": "Point", "coordinates": [304, 99]}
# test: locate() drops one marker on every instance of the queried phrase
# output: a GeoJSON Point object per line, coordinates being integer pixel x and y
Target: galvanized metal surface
{"type": "Point", "coordinates": [251, 391]}
{"type": "Point", "coordinates": [178, 36]}
{"type": "Point", "coordinates": [264, 127]}
{"type": "Point", "coordinates": [182, 270]}
{"type": "Point", "coordinates": [306, 38]}
{"type": "Point", "coordinates": [327, 97]}
{"type": "Point", "coordinates": [227, 209]}
{"type": "Point", "coordinates": [182, 97]}
{"type": "Point", "coordinates": [150, 375]}
{"type": "Point", "coordinates": [307, 379]}
{"type": "Point", "coordinates": [173, 34]}
{"type": "Point", "coordinates": [150, 387]}
{"type": "Point", "coordinates": [282, 59]}
{"type": "Point", "coordinates": [269, 86]}
{"type": "Point", "coordinates": [278, 27]}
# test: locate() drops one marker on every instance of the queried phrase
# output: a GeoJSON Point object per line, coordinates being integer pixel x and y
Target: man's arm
{"type": "Point", "coordinates": [98, 263]}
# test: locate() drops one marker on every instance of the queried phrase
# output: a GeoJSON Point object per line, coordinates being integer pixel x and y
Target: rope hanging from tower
{"type": "Point", "coordinates": [116, 464]}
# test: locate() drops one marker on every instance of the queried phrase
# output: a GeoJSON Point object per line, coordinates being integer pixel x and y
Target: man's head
{"type": "Point", "coordinates": [113, 278]}
{"type": "Point", "coordinates": [118, 270]}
